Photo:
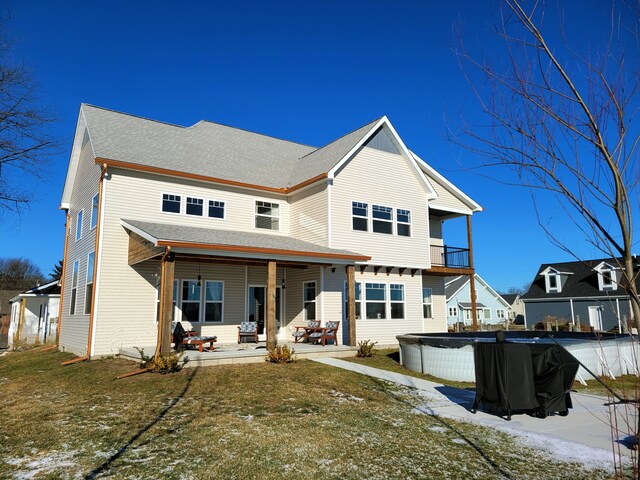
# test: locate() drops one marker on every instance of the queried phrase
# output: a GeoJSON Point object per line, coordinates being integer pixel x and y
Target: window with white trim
{"type": "Point", "coordinates": [500, 314]}
{"type": "Point", "coordinates": [74, 288]}
{"type": "Point", "coordinates": [191, 295]}
{"type": "Point", "coordinates": [453, 311]}
{"type": "Point", "coordinates": [194, 206]}
{"type": "Point", "coordinates": [382, 219]}
{"type": "Point", "coordinates": [213, 301]}
{"type": "Point", "coordinates": [216, 209]}
{"type": "Point", "coordinates": [267, 215]}
{"type": "Point", "coordinates": [427, 303]}
{"type": "Point", "coordinates": [88, 291]}
{"type": "Point", "coordinates": [79, 225]}
{"type": "Point", "coordinates": [396, 300]}
{"type": "Point", "coordinates": [94, 211]}
{"type": "Point", "coordinates": [358, 299]}
{"type": "Point", "coordinates": [487, 313]}
{"type": "Point", "coordinates": [309, 300]}
{"type": "Point", "coordinates": [479, 314]}
{"type": "Point", "coordinates": [403, 219]}
{"type": "Point", "coordinates": [375, 299]}
{"type": "Point", "coordinates": [360, 216]}
{"type": "Point", "coordinates": [608, 279]}
{"type": "Point", "coordinates": [171, 203]}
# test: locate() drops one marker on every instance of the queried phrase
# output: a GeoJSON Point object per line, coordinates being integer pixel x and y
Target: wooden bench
{"type": "Point", "coordinates": [328, 332]}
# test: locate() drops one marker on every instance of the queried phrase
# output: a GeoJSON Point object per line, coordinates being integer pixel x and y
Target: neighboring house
{"type": "Point", "coordinates": [34, 314]}
{"type": "Point", "coordinates": [221, 219]}
{"type": "Point", "coordinates": [491, 308]}
{"type": "Point", "coordinates": [585, 292]}
{"type": "Point", "coordinates": [516, 309]}
{"type": "Point", "coordinates": [5, 318]}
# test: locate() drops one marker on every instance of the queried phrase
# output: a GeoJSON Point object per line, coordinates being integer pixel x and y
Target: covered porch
{"type": "Point", "coordinates": [212, 281]}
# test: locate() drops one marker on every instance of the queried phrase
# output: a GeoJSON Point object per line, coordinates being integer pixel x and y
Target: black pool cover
{"type": "Point", "coordinates": [531, 378]}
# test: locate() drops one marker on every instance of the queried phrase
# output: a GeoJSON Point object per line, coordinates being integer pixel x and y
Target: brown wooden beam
{"type": "Point", "coordinates": [351, 304]}
{"type": "Point", "coordinates": [167, 271]}
{"type": "Point", "coordinates": [141, 249]}
{"type": "Point", "coordinates": [472, 276]}
{"type": "Point", "coordinates": [448, 271]}
{"type": "Point", "coordinates": [193, 258]}
{"type": "Point", "coordinates": [271, 306]}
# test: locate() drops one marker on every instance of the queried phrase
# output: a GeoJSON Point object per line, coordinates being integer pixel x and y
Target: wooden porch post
{"type": "Point", "coordinates": [271, 305]}
{"type": "Point", "coordinates": [167, 271]}
{"type": "Point", "coordinates": [472, 277]}
{"type": "Point", "coordinates": [351, 304]}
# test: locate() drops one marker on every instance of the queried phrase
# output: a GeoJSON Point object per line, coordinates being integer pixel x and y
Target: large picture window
{"type": "Point", "coordinates": [376, 300]}
{"type": "Point", "coordinates": [74, 288]}
{"type": "Point", "coordinates": [396, 299]}
{"type": "Point", "coordinates": [360, 213]}
{"type": "Point", "coordinates": [309, 300]}
{"type": "Point", "coordinates": [427, 303]}
{"type": "Point", "coordinates": [191, 294]}
{"type": "Point", "coordinates": [171, 203]}
{"type": "Point", "coordinates": [267, 215]}
{"type": "Point", "coordinates": [88, 292]}
{"type": "Point", "coordinates": [213, 301]}
{"type": "Point", "coordinates": [382, 219]}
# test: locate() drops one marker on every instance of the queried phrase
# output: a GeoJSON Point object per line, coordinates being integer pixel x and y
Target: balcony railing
{"type": "Point", "coordinates": [450, 257]}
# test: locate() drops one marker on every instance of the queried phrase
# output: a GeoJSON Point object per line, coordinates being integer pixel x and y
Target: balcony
{"type": "Point", "coordinates": [449, 260]}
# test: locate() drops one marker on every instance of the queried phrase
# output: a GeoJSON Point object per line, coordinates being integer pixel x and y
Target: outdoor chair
{"type": "Point", "coordinates": [329, 332]}
{"type": "Point", "coordinates": [305, 330]}
{"type": "Point", "coordinates": [178, 334]}
{"type": "Point", "coordinates": [248, 330]}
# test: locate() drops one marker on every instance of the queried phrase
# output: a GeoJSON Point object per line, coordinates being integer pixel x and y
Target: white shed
{"type": "Point", "coordinates": [34, 315]}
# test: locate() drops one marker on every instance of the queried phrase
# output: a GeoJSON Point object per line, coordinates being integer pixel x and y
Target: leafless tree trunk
{"type": "Point", "coordinates": [565, 123]}
{"type": "Point", "coordinates": [24, 143]}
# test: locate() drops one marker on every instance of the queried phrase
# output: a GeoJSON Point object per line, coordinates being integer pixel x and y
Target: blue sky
{"type": "Point", "coordinates": [304, 71]}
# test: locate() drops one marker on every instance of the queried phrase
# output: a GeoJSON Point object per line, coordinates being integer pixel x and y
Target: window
{"type": "Point", "coordinates": [89, 285]}
{"type": "Point", "coordinates": [396, 298]}
{"type": "Point", "coordinates": [94, 211]}
{"type": "Point", "coordinates": [500, 314]}
{"type": "Point", "coordinates": [360, 212]}
{"type": "Point", "coordinates": [171, 203]}
{"type": "Point", "coordinates": [79, 226]}
{"type": "Point", "coordinates": [608, 279]}
{"type": "Point", "coordinates": [553, 282]}
{"type": "Point", "coordinates": [382, 219]}
{"type": "Point", "coordinates": [267, 215]}
{"type": "Point", "coordinates": [403, 217]}
{"type": "Point", "coordinates": [358, 299]}
{"type": "Point", "coordinates": [376, 300]}
{"type": "Point", "coordinates": [479, 314]}
{"type": "Point", "coordinates": [74, 288]}
{"type": "Point", "coordinates": [453, 311]}
{"type": "Point", "coordinates": [213, 300]}
{"type": "Point", "coordinates": [487, 313]}
{"type": "Point", "coordinates": [309, 300]}
{"type": "Point", "coordinates": [216, 209]}
{"type": "Point", "coordinates": [191, 300]}
{"type": "Point", "coordinates": [195, 206]}
{"type": "Point", "coordinates": [427, 311]}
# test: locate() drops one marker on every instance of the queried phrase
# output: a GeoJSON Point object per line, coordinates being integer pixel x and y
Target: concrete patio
{"type": "Point", "coordinates": [233, 353]}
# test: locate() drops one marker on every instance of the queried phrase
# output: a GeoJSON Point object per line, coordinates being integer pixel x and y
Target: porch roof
{"type": "Point", "coordinates": [467, 305]}
{"type": "Point", "coordinates": [240, 244]}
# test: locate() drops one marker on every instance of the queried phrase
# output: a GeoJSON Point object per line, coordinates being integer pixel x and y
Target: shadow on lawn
{"type": "Point", "coordinates": [461, 397]}
{"type": "Point", "coordinates": [107, 464]}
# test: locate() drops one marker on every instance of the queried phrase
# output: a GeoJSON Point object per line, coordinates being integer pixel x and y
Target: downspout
{"type": "Point", "coordinates": [95, 273]}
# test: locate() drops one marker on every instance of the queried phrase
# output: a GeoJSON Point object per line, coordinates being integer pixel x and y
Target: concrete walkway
{"type": "Point", "coordinates": [584, 435]}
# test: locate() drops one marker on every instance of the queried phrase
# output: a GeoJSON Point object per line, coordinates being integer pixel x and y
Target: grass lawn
{"type": "Point", "coordinates": [303, 420]}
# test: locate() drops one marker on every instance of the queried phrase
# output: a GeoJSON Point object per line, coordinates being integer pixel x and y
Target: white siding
{"type": "Point", "coordinates": [439, 307]}
{"type": "Point", "coordinates": [435, 230]}
{"type": "Point", "coordinates": [310, 216]}
{"type": "Point", "coordinates": [75, 328]}
{"type": "Point", "coordinates": [381, 178]}
{"type": "Point", "coordinates": [446, 199]}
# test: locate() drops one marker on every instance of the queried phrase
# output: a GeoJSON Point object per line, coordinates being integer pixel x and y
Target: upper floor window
{"type": "Point", "coordinates": [216, 209]}
{"type": "Point", "coordinates": [171, 203]}
{"type": "Point", "coordinates": [267, 215]}
{"type": "Point", "coordinates": [552, 282]}
{"type": "Point", "coordinates": [360, 212]}
{"type": "Point", "coordinates": [607, 277]}
{"type": "Point", "coordinates": [195, 206]}
{"type": "Point", "coordinates": [403, 218]}
{"type": "Point", "coordinates": [382, 219]}
{"type": "Point", "coordinates": [79, 226]}
{"type": "Point", "coordinates": [74, 288]}
{"type": "Point", "coordinates": [94, 211]}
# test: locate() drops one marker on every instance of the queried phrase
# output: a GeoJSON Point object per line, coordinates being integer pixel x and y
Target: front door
{"type": "Point", "coordinates": [595, 318]}
{"type": "Point", "coordinates": [257, 308]}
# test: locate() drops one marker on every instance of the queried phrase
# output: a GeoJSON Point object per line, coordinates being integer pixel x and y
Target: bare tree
{"type": "Point", "coordinates": [564, 121]}
{"type": "Point", "coordinates": [25, 144]}
{"type": "Point", "coordinates": [19, 274]}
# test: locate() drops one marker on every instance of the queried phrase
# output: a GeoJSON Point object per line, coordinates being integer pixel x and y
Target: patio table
{"type": "Point", "coordinates": [200, 341]}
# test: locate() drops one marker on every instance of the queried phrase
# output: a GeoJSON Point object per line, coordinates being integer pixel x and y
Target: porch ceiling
{"type": "Point", "coordinates": [235, 244]}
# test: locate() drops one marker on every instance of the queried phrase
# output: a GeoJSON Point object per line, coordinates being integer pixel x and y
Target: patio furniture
{"type": "Point", "coordinates": [303, 331]}
{"type": "Point", "coordinates": [248, 330]}
{"type": "Point", "coordinates": [199, 341]}
{"type": "Point", "coordinates": [178, 334]}
{"type": "Point", "coordinates": [329, 332]}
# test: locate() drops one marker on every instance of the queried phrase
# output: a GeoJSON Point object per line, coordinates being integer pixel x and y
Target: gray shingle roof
{"type": "Point", "coordinates": [453, 284]}
{"type": "Point", "coordinates": [467, 305]}
{"type": "Point", "coordinates": [211, 149]}
{"type": "Point", "coordinates": [209, 236]}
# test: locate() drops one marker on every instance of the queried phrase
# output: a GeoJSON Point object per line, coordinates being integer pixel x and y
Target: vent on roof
{"type": "Point", "coordinates": [382, 141]}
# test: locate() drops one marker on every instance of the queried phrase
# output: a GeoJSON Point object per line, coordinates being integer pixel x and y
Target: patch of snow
{"type": "Point", "coordinates": [28, 468]}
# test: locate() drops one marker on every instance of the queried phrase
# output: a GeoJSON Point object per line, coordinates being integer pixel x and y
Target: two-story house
{"type": "Point", "coordinates": [585, 292]}
{"type": "Point", "coordinates": [214, 225]}
{"type": "Point", "coordinates": [491, 308]}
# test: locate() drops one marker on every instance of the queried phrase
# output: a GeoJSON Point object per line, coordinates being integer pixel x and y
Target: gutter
{"type": "Point", "coordinates": [87, 356]}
